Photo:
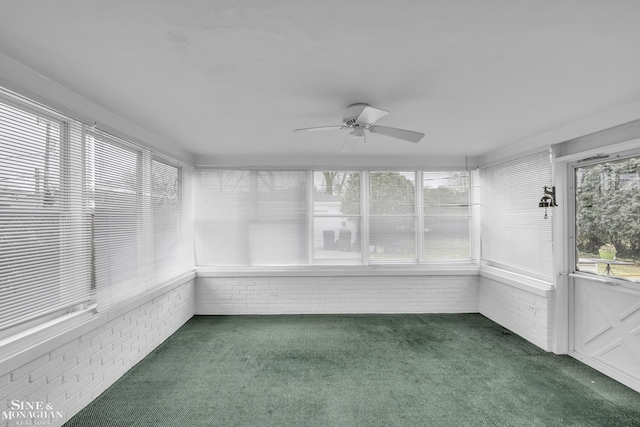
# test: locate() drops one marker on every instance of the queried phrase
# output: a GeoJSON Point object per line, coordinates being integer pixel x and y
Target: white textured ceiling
{"type": "Point", "coordinates": [234, 77]}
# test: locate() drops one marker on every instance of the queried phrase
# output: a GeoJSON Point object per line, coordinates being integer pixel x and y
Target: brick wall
{"type": "Point", "coordinates": [76, 372]}
{"type": "Point", "coordinates": [337, 294]}
{"type": "Point", "coordinates": [526, 313]}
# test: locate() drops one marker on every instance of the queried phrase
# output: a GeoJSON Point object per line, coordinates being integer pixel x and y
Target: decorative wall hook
{"type": "Point", "coordinates": [548, 200]}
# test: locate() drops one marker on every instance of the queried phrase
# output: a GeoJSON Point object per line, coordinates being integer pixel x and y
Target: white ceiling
{"type": "Point", "coordinates": [232, 78]}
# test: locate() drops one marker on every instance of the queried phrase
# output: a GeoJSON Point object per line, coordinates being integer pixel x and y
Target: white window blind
{"type": "Point", "coordinates": [251, 218]}
{"type": "Point", "coordinates": [172, 236]}
{"type": "Point", "coordinates": [117, 227]}
{"type": "Point", "coordinates": [84, 216]}
{"type": "Point", "coordinates": [515, 234]}
{"type": "Point", "coordinates": [141, 235]}
{"type": "Point", "coordinates": [45, 262]}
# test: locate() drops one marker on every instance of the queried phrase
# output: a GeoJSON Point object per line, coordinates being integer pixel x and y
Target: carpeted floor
{"type": "Point", "coordinates": [358, 370]}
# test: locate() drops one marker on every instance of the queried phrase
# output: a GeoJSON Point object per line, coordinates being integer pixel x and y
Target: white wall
{"type": "Point", "coordinates": [76, 371]}
{"type": "Point", "coordinates": [525, 310]}
{"type": "Point", "coordinates": [337, 294]}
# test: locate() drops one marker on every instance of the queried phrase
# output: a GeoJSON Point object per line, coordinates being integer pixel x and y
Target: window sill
{"type": "Point", "coordinates": [528, 284]}
{"type": "Point", "coordinates": [26, 346]}
{"type": "Point", "coordinates": [451, 269]}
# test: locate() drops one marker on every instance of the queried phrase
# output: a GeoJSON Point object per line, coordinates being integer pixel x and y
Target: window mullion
{"type": "Point", "coordinates": [364, 216]}
{"type": "Point", "coordinates": [419, 217]}
{"type": "Point", "coordinates": [145, 219]}
{"type": "Point", "coordinates": [310, 218]}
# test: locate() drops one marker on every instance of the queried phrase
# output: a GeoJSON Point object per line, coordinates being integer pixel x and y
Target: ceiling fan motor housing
{"type": "Point", "coordinates": [351, 114]}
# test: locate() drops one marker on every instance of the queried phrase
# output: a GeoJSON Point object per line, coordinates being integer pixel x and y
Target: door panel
{"type": "Point", "coordinates": [607, 328]}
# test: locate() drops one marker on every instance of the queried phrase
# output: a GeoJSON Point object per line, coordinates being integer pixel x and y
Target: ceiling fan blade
{"type": "Point", "coordinates": [407, 135]}
{"type": "Point", "coordinates": [319, 128]}
{"type": "Point", "coordinates": [349, 144]}
{"type": "Point", "coordinates": [371, 115]}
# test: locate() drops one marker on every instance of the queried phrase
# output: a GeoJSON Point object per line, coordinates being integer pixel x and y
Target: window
{"type": "Point", "coordinates": [85, 217]}
{"type": "Point", "coordinates": [392, 216]}
{"type": "Point", "coordinates": [117, 218]}
{"type": "Point", "coordinates": [44, 221]}
{"type": "Point", "coordinates": [516, 236]}
{"type": "Point", "coordinates": [447, 215]}
{"type": "Point", "coordinates": [336, 217]}
{"type": "Point", "coordinates": [251, 217]}
{"type": "Point", "coordinates": [278, 227]}
{"type": "Point", "coordinates": [139, 237]}
{"type": "Point", "coordinates": [608, 218]}
{"type": "Point", "coordinates": [329, 217]}
{"type": "Point", "coordinates": [166, 213]}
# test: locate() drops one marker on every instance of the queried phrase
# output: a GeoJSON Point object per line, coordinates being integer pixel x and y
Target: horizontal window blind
{"type": "Point", "coordinates": [172, 236]}
{"type": "Point", "coordinates": [515, 234]}
{"type": "Point", "coordinates": [85, 216]}
{"type": "Point", "coordinates": [45, 266]}
{"type": "Point", "coordinates": [117, 223]}
{"type": "Point", "coordinates": [251, 218]}
{"type": "Point", "coordinates": [141, 231]}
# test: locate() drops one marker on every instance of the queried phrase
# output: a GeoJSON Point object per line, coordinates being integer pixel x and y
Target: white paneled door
{"type": "Point", "coordinates": [606, 324]}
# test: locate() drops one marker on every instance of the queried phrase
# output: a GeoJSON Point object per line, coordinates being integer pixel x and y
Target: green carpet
{"type": "Point", "coordinates": [357, 370]}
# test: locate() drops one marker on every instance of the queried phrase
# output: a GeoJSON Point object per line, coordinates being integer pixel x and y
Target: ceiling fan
{"type": "Point", "coordinates": [360, 117]}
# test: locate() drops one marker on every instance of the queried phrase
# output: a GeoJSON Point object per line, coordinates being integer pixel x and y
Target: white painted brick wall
{"type": "Point", "coordinates": [524, 313]}
{"type": "Point", "coordinates": [336, 294]}
{"type": "Point", "coordinates": [76, 372]}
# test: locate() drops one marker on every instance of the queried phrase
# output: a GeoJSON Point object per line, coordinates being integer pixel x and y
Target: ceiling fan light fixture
{"type": "Point", "coordinates": [358, 132]}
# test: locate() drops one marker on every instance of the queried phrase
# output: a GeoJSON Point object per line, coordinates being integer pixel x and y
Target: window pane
{"type": "Point", "coordinates": [446, 215]}
{"type": "Point", "coordinates": [392, 238]}
{"type": "Point", "coordinates": [392, 193]}
{"type": "Point", "coordinates": [392, 221]}
{"type": "Point", "coordinates": [608, 218]}
{"type": "Point", "coordinates": [336, 235]}
{"type": "Point", "coordinates": [336, 193]}
{"type": "Point", "coordinates": [166, 212]}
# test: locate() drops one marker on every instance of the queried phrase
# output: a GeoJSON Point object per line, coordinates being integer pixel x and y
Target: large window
{"type": "Point", "coordinates": [608, 218]}
{"type": "Point", "coordinates": [85, 217]}
{"type": "Point", "coordinates": [328, 217]}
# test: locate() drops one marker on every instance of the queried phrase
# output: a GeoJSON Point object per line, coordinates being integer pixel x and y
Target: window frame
{"type": "Point", "coordinates": [613, 157]}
